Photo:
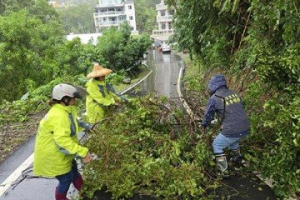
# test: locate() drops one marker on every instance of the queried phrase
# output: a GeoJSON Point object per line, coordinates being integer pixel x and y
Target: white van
{"type": "Point", "coordinates": [165, 47]}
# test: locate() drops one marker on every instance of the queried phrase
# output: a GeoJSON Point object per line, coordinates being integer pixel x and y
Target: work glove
{"type": "Point", "coordinates": [88, 158]}
{"type": "Point", "coordinates": [88, 128]}
{"type": "Point", "coordinates": [215, 121]}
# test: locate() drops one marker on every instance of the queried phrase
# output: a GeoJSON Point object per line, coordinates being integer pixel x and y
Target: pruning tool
{"type": "Point", "coordinates": [111, 89]}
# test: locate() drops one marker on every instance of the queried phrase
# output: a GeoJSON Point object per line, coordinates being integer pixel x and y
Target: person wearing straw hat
{"type": "Point", "coordinates": [100, 95]}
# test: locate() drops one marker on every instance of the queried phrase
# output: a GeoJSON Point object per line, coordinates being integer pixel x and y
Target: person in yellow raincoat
{"type": "Point", "coordinates": [100, 94]}
{"type": "Point", "coordinates": [57, 144]}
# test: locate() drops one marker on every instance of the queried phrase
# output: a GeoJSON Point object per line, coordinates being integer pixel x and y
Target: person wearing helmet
{"type": "Point", "coordinates": [101, 95]}
{"type": "Point", "coordinates": [235, 124]}
{"type": "Point", "coordinates": [57, 144]}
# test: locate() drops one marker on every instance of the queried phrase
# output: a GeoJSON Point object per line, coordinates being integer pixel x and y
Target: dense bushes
{"type": "Point", "coordinates": [256, 44]}
{"type": "Point", "coordinates": [141, 152]}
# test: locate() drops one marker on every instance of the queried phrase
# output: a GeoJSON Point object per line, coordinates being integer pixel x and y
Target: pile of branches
{"type": "Point", "coordinates": [150, 148]}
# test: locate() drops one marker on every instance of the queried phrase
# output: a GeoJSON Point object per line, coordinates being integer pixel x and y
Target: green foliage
{"type": "Point", "coordinates": [278, 140]}
{"type": "Point", "coordinates": [25, 45]}
{"type": "Point", "coordinates": [78, 18]}
{"type": "Point", "coordinates": [145, 15]}
{"type": "Point", "coordinates": [7, 6]}
{"type": "Point", "coordinates": [17, 111]}
{"type": "Point", "coordinates": [116, 78]}
{"type": "Point", "coordinates": [260, 38]}
{"type": "Point", "coordinates": [117, 50]}
{"type": "Point", "coordinates": [281, 69]}
{"type": "Point", "coordinates": [74, 58]}
{"type": "Point", "coordinates": [141, 151]}
{"type": "Point", "coordinates": [32, 102]}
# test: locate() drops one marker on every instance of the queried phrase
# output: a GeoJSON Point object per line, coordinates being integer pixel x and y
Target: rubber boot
{"type": "Point", "coordinates": [78, 182]}
{"type": "Point", "coordinates": [59, 196]}
{"type": "Point", "coordinates": [236, 156]}
{"type": "Point", "coordinates": [222, 165]}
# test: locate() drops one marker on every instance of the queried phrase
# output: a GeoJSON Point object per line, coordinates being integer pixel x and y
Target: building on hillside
{"type": "Point", "coordinates": [164, 21]}
{"type": "Point", "coordinates": [113, 13]}
{"type": "Point", "coordinates": [85, 38]}
{"type": "Point", "coordinates": [59, 4]}
{"type": "Point", "coordinates": [55, 4]}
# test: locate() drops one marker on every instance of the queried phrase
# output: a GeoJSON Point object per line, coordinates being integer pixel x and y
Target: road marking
{"type": "Point", "coordinates": [17, 173]}
{"type": "Point", "coordinates": [184, 103]}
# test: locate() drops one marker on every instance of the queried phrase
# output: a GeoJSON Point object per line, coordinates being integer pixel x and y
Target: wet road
{"type": "Point", "coordinates": [162, 81]}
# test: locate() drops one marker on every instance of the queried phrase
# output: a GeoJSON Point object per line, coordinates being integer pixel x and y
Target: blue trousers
{"type": "Point", "coordinates": [65, 180]}
{"type": "Point", "coordinates": [221, 142]}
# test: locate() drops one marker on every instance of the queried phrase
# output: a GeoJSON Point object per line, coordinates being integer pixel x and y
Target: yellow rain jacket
{"type": "Point", "coordinates": [97, 99]}
{"type": "Point", "coordinates": [56, 142]}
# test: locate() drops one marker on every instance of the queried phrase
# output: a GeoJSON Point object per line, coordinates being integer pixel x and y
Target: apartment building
{"type": "Point", "coordinates": [114, 12]}
{"type": "Point", "coordinates": [164, 20]}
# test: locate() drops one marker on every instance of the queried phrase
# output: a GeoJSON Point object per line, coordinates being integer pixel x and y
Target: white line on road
{"type": "Point", "coordinates": [17, 173]}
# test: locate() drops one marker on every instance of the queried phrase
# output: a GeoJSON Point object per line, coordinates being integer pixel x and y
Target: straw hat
{"type": "Point", "coordinates": [98, 71]}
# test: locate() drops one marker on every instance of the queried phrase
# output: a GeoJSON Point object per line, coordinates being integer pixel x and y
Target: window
{"type": "Point", "coordinates": [171, 12]}
{"type": "Point", "coordinates": [130, 18]}
{"type": "Point", "coordinates": [129, 7]}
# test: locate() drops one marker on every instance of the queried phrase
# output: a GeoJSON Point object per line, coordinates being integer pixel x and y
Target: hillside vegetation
{"type": "Point", "coordinates": [256, 44]}
{"type": "Point", "coordinates": [35, 56]}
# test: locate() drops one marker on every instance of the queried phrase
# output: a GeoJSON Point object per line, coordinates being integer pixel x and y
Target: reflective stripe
{"type": "Point", "coordinates": [72, 125]}
{"type": "Point", "coordinates": [101, 89]}
{"type": "Point", "coordinates": [231, 99]}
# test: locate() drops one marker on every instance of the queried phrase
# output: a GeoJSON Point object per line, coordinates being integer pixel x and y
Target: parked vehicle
{"type": "Point", "coordinates": [165, 48]}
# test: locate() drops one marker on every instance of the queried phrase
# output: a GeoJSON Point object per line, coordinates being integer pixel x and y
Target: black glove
{"type": "Point", "coordinates": [88, 128]}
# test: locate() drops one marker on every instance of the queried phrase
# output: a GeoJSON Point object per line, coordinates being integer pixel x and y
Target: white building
{"type": "Point", "coordinates": [164, 20]}
{"type": "Point", "coordinates": [114, 12]}
{"type": "Point", "coordinates": [85, 38]}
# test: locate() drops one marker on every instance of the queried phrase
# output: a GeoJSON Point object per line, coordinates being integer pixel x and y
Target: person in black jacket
{"type": "Point", "coordinates": [228, 106]}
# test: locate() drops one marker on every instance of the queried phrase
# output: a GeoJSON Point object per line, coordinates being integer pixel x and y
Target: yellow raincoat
{"type": "Point", "coordinates": [97, 99]}
{"type": "Point", "coordinates": [56, 142]}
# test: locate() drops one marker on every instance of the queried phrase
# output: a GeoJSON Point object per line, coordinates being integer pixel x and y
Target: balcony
{"type": "Point", "coordinates": [108, 23]}
{"type": "Point", "coordinates": [109, 13]}
{"type": "Point", "coordinates": [163, 32]}
{"type": "Point", "coordinates": [109, 5]}
{"type": "Point", "coordinates": [166, 18]}
{"type": "Point", "coordinates": [161, 7]}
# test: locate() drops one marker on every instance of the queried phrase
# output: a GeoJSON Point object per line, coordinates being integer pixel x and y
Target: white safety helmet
{"type": "Point", "coordinates": [62, 90]}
